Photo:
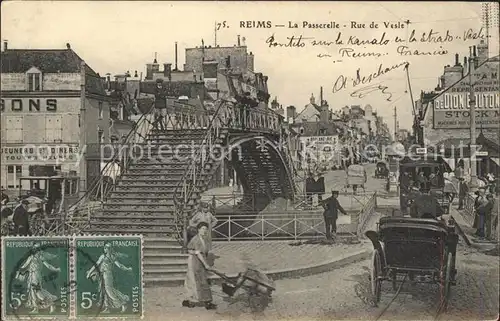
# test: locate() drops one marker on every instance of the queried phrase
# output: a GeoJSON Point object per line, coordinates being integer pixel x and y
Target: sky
{"type": "Point", "coordinates": [113, 37]}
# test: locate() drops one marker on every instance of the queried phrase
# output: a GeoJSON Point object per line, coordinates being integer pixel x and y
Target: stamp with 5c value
{"type": "Point", "coordinates": [108, 271]}
{"type": "Point", "coordinates": [35, 277]}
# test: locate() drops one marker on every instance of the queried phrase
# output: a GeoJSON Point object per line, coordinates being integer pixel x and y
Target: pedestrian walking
{"type": "Point", "coordinates": [204, 215]}
{"type": "Point", "coordinates": [463, 190]}
{"type": "Point", "coordinates": [160, 106]}
{"type": "Point", "coordinates": [21, 219]}
{"type": "Point", "coordinates": [332, 207]}
{"type": "Point", "coordinates": [460, 169]}
{"type": "Point", "coordinates": [196, 283]}
{"type": "Point", "coordinates": [484, 214]}
{"type": "Point", "coordinates": [478, 203]}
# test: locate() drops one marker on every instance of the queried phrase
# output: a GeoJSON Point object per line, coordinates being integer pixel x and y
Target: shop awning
{"type": "Point", "coordinates": [459, 147]}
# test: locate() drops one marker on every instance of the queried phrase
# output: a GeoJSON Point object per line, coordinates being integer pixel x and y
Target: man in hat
{"type": "Point", "coordinates": [463, 190]}
{"type": "Point", "coordinates": [160, 106]}
{"type": "Point", "coordinates": [21, 219]}
{"type": "Point", "coordinates": [332, 206]}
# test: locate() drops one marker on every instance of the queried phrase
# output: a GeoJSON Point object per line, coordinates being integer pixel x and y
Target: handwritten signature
{"type": "Point", "coordinates": [342, 82]}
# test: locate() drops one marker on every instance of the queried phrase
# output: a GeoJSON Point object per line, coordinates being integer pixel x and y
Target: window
{"type": "Point", "coordinates": [34, 81]}
{"type": "Point", "coordinates": [13, 175]}
{"type": "Point", "coordinates": [100, 110]}
{"type": "Point", "coordinates": [14, 129]}
{"type": "Point", "coordinates": [100, 136]}
{"type": "Point", "coordinates": [53, 128]}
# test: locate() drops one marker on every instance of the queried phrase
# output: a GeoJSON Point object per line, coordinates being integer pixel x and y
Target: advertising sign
{"type": "Point", "coordinates": [452, 109]}
{"type": "Point", "coordinates": [39, 153]}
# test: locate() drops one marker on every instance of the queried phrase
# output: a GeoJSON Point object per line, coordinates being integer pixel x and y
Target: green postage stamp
{"type": "Point", "coordinates": [108, 274]}
{"type": "Point", "coordinates": [35, 277]}
{"type": "Point", "coordinates": [72, 277]}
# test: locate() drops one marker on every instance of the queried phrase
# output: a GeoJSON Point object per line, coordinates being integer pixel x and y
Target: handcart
{"type": "Point", "coordinates": [258, 286]}
{"type": "Point", "coordinates": [252, 281]}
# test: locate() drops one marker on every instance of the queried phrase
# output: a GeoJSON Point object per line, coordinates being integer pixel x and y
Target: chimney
{"type": "Point", "coordinates": [136, 75]}
{"type": "Point", "coordinates": [239, 42]}
{"type": "Point", "coordinates": [456, 60]}
{"type": "Point", "coordinates": [5, 43]}
{"type": "Point", "coordinates": [108, 81]}
{"type": "Point", "coordinates": [176, 56]}
{"type": "Point", "coordinates": [465, 63]}
{"type": "Point", "coordinates": [474, 51]}
{"type": "Point", "coordinates": [321, 96]}
{"type": "Point", "coordinates": [68, 46]}
{"type": "Point", "coordinates": [290, 113]}
{"type": "Point", "coordinates": [167, 69]}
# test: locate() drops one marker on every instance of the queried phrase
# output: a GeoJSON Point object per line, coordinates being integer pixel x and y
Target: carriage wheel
{"type": "Point", "coordinates": [447, 279]}
{"type": "Point", "coordinates": [376, 282]}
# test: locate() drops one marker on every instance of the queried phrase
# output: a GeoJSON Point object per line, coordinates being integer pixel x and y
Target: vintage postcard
{"type": "Point", "coordinates": [250, 160]}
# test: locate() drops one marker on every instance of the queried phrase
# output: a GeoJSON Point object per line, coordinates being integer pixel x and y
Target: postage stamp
{"type": "Point", "coordinates": [108, 272]}
{"type": "Point", "coordinates": [35, 277]}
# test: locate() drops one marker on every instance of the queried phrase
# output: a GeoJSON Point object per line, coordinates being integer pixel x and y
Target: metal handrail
{"type": "Point", "coordinates": [139, 131]}
{"type": "Point", "coordinates": [182, 197]}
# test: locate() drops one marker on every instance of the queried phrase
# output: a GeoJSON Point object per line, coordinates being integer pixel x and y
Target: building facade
{"type": "Point", "coordinates": [53, 111]}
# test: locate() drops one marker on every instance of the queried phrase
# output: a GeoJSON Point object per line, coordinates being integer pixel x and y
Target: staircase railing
{"type": "Point", "coordinates": [183, 192]}
{"type": "Point", "coordinates": [77, 217]}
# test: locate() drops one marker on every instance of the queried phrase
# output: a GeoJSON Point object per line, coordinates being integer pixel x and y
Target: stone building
{"type": "Point", "coordinates": [445, 112]}
{"type": "Point", "coordinates": [54, 109]}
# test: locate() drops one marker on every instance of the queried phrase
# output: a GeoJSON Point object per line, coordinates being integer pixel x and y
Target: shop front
{"type": "Point", "coordinates": [36, 160]}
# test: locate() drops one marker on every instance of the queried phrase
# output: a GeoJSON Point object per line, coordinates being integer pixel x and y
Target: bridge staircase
{"type": "Point", "coordinates": [145, 197]}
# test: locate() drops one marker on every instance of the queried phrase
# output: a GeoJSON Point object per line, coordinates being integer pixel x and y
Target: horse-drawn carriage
{"type": "Point", "coordinates": [423, 176]}
{"type": "Point", "coordinates": [45, 195]}
{"type": "Point", "coordinates": [420, 249]}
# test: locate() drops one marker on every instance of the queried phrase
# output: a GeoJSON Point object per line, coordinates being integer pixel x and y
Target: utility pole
{"type": "Point", "coordinates": [215, 34]}
{"type": "Point", "coordinates": [395, 123]}
{"type": "Point", "coordinates": [472, 109]}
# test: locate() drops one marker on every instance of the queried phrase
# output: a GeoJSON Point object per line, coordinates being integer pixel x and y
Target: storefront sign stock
{"type": "Point", "coordinates": [451, 111]}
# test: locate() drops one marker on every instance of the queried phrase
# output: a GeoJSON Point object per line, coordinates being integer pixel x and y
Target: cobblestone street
{"type": "Point", "coordinates": [344, 294]}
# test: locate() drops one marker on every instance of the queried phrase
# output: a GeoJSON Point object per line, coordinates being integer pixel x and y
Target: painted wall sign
{"type": "Point", "coordinates": [43, 153]}
{"type": "Point", "coordinates": [451, 109]}
{"type": "Point", "coordinates": [28, 105]}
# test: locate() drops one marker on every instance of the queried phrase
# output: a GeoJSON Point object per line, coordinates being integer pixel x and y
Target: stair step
{"type": "Point", "coordinates": [127, 229]}
{"type": "Point", "coordinates": [143, 218]}
{"type": "Point", "coordinates": [146, 187]}
{"type": "Point", "coordinates": [178, 273]}
{"type": "Point", "coordinates": [158, 179]}
{"type": "Point", "coordinates": [160, 241]}
{"type": "Point", "coordinates": [132, 212]}
{"type": "Point", "coordinates": [150, 194]}
{"type": "Point", "coordinates": [155, 249]}
{"type": "Point", "coordinates": [150, 281]}
{"type": "Point", "coordinates": [165, 258]}
{"type": "Point", "coordinates": [134, 222]}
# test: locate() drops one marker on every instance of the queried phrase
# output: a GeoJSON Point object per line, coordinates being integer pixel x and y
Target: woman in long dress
{"type": "Point", "coordinates": [31, 273]}
{"type": "Point", "coordinates": [196, 282]}
{"type": "Point", "coordinates": [110, 296]}
{"type": "Point", "coordinates": [204, 215]}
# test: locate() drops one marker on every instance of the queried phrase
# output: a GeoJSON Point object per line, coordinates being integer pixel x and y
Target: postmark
{"type": "Point", "coordinates": [108, 271]}
{"type": "Point", "coordinates": [36, 278]}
